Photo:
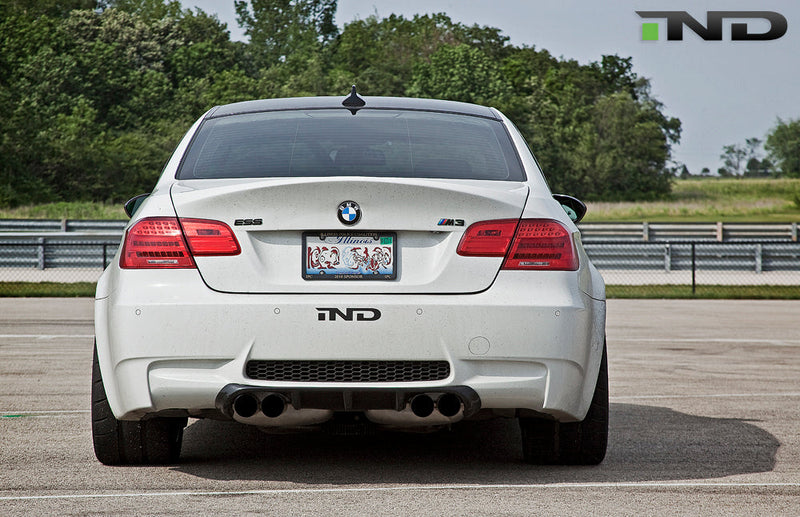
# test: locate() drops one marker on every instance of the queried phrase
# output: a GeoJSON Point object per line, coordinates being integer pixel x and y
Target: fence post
{"type": "Point", "coordinates": [694, 283]}
{"type": "Point", "coordinates": [794, 232]}
{"type": "Point", "coordinates": [759, 249]}
{"type": "Point", "coordinates": [646, 231]}
{"type": "Point", "coordinates": [40, 253]}
{"type": "Point", "coordinates": [720, 232]}
{"type": "Point", "coordinates": [667, 258]}
{"type": "Point", "coordinates": [105, 255]}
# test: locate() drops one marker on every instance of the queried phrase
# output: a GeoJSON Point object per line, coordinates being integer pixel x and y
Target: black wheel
{"type": "Point", "coordinates": [546, 442]}
{"type": "Point", "coordinates": [117, 442]}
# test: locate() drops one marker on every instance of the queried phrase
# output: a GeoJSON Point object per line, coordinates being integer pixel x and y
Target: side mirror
{"type": "Point", "coordinates": [133, 204]}
{"type": "Point", "coordinates": [574, 207]}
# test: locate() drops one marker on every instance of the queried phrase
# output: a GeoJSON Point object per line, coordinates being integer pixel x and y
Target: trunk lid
{"type": "Point", "coordinates": [410, 212]}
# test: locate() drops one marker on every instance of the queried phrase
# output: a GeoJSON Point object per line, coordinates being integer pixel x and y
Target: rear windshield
{"type": "Point", "coordinates": [407, 144]}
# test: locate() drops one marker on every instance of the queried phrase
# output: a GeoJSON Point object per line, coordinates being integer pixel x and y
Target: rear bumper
{"type": "Point", "coordinates": [167, 342]}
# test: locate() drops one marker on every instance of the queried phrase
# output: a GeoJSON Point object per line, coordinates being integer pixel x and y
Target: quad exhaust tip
{"type": "Point", "coordinates": [273, 405]}
{"type": "Point", "coordinates": [422, 406]}
{"type": "Point", "coordinates": [245, 405]}
{"type": "Point", "coordinates": [448, 404]}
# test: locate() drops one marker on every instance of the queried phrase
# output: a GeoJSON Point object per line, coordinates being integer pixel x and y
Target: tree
{"type": "Point", "coordinates": [280, 28]}
{"type": "Point", "coordinates": [626, 152]}
{"type": "Point", "coordinates": [783, 146]}
{"type": "Point", "coordinates": [94, 95]}
{"type": "Point", "coordinates": [685, 174]}
{"type": "Point", "coordinates": [148, 10]}
{"type": "Point", "coordinates": [51, 8]}
{"type": "Point", "coordinates": [733, 156]}
{"type": "Point", "coordinates": [380, 55]}
{"type": "Point", "coordinates": [459, 73]}
{"type": "Point", "coordinates": [100, 98]}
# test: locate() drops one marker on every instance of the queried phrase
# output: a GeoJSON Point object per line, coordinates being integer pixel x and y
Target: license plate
{"type": "Point", "coordinates": [349, 256]}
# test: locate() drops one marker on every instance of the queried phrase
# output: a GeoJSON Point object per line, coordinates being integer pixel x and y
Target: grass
{"type": "Point", "coordinates": [750, 292]}
{"type": "Point", "coordinates": [707, 292]}
{"type": "Point", "coordinates": [47, 289]}
{"type": "Point", "coordinates": [711, 200]}
{"type": "Point", "coordinates": [85, 210]}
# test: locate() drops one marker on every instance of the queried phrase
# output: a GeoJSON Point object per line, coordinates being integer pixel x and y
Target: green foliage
{"type": "Point", "coordinates": [598, 138]}
{"type": "Point", "coordinates": [103, 97]}
{"type": "Point", "coordinates": [279, 29]}
{"type": "Point", "coordinates": [783, 146]}
{"type": "Point", "coordinates": [459, 73]}
{"type": "Point", "coordinates": [379, 55]}
{"type": "Point", "coordinates": [95, 95]}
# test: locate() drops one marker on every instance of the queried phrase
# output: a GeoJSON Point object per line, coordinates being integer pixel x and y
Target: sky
{"type": "Point", "coordinates": [722, 91]}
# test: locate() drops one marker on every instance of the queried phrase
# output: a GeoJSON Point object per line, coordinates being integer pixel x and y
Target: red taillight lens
{"type": "Point", "coordinates": [158, 242]}
{"type": "Point", "coordinates": [542, 244]}
{"type": "Point", "coordinates": [537, 244]}
{"type": "Point", "coordinates": [487, 238]}
{"type": "Point", "coordinates": [208, 238]}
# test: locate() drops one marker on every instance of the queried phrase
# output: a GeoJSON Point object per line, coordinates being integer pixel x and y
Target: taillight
{"type": "Point", "coordinates": [207, 238]}
{"type": "Point", "coordinates": [159, 242]}
{"type": "Point", "coordinates": [487, 238]}
{"type": "Point", "coordinates": [535, 244]}
{"type": "Point", "coordinates": [542, 244]}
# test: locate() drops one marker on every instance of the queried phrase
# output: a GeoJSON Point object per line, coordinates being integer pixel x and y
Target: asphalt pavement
{"type": "Point", "coordinates": [705, 420]}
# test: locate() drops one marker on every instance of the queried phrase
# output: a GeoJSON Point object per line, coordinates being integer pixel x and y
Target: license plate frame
{"type": "Point", "coordinates": [358, 255]}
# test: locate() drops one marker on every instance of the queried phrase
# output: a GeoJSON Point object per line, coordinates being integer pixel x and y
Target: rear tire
{"type": "Point", "coordinates": [116, 442]}
{"type": "Point", "coordinates": [547, 442]}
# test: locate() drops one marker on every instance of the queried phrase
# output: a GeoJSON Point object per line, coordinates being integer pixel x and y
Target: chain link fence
{"type": "Point", "coordinates": [68, 258]}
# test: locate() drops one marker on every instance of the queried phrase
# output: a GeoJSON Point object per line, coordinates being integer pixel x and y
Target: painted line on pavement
{"type": "Point", "coordinates": [44, 336]}
{"type": "Point", "coordinates": [295, 491]}
{"type": "Point", "coordinates": [706, 396]}
{"type": "Point", "coordinates": [708, 340]}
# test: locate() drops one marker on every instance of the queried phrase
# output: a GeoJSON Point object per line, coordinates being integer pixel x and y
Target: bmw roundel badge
{"type": "Point", "coordinates": [349, 212]}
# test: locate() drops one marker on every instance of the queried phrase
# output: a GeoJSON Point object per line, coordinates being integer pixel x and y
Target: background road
{"type": "Point", "coordinates": [705, 419]}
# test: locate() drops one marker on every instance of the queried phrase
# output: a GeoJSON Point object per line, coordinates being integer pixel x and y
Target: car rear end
{"type": "Point", "coordinates": [303, 263]}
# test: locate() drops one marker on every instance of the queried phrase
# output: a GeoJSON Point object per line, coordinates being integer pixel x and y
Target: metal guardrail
{"type": "Point", "coordinates": [752, 256]}
{"type": "Point", "coordinates": [59, 251]}
{"type": "Point", "coordinates": [631, 254]}
{"type": "Point", "coordinates": [61, 225]}
{"type": "Point", "coordinates": [670, 232]}
{"type": "Point", "coordinates": [81, 250]}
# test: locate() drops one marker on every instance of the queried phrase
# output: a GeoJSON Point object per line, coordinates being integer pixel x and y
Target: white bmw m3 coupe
{"type": "Point", "coordinates": [351, 263]}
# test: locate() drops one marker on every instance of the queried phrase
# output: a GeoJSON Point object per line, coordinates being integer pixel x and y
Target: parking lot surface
{"type": "Point", "coordinates": [705, 419]}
